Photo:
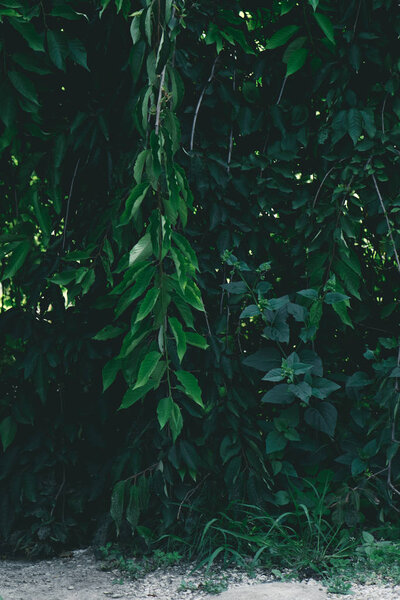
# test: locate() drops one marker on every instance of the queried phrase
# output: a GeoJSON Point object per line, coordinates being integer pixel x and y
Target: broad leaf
{"type": "Point", "coordinates": [281, 37]}
{"type": "Point", "coordinates": [190, 385]}
{"type": "Point", "coordinates": [323, 417]}
{"type": "Point", "coordinates": [146, 368]}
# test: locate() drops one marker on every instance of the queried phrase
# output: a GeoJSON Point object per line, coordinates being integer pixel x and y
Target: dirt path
{"type": "Point", "coordinates": [79, 577]}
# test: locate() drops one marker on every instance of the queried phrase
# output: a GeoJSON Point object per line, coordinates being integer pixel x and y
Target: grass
{"type": "Point", "coordinates": [300, 543]}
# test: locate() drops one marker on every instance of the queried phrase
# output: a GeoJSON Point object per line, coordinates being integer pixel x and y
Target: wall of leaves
{"type": "Point", "coordinates": [199, 263]}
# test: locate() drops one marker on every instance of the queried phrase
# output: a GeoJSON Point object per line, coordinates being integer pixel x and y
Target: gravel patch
{"type": "Point", "coordinates": [78, 576]}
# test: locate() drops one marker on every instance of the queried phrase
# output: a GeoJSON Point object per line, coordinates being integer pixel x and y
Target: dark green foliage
{"type": "Point", "coordinates": [199, 263]}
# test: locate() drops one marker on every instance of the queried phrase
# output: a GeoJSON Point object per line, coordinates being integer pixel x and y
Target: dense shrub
{"type": "Point", "coordinates": [199, 263]}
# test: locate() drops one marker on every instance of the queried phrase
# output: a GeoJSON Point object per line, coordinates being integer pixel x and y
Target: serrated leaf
{"type": "Point", "coordinates": [301, 390]}
{"type": "Point", "coordinates": [322, 418]}
{"type": "Point", "coordinates": [147, 304]}
{"type": "Point", "coordinates": [191, 386]}
{"type": "Point", "coordinates": [325, 23]}
{"type": "Point", "coordinates": [179, 335]}
{"type": "Point", "coordinates": [279, 394]}
{"type": "Point", "coordinates": [280, 37]}
{"type": "Point", "coordinates": [146, 368]}
{"type": "Point", "coordinates": [274, 375]}
{"type": "Point", "coordinates": [8, 429]}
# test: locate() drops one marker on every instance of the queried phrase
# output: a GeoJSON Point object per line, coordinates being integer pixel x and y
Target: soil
{"type": "Point", "coordinates": [78, 576]}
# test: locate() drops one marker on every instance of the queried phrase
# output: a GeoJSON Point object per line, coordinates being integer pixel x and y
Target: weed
{"type": "Point", "coordinates": [187, 586]}
{"type": "Point", "coordinates": [337, 585]}
{"type": "Point", "coordinates": [215, 585]}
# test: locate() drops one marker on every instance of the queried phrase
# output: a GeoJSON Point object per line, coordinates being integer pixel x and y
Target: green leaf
{"type": "Point", "coordinates": [148, 26]}
{"type": "Point", "coordinates": [281, 37]}
{"type": "Point", "coordinates": [296, 61]}
{"type": "Point", "coordinates": [314, 4]}
{"type": "Point", "coordinates": [191, 386]}
{"type": "Point", "coordinates": [274, 375]}
{"type": "Point", "coordinates": [358, 466]}
{"type": "Point", "coordinates": [354, 121]}
{"type": "Point", "coordinates": [8, 429]}
{"type": "Point", "coordinates": [250, 311]}
{"type": "Point", "coordinates": [108, 333]}
{"type": "Point", "coordinates": [321, 387]}
{"type": "Point", "coordinates": [334, 297]}
{"type": "Point", "coordinates": [323, 418]}
{"type": "Point", "coordinates": [195, 339]}
{"type": "Point", "coordinates": [341, 310]}
{"type": "Point", "coordinates": [17, 259]}
{"type": "Point", "coordinates": [110, 371]}
{"type": "Point", "coordinates": [134, 202]}
{"type": "Point", "coordinates": [24, 86]}
{"type": "Point", "coordinates": [301, 390]}
{"type": "Point", "coordinates": [279, 394]}
{"type": "Point", "coordinates": [326, 26]}
{"type": "Point", "coordinates": [29, 33]}
{"type": "Point", "coordinates": [193, 296]}
{"type": "Point", "coordinates": [141, 251]}
{"type": "Point", "coordinates": [135, 27]}
{"type": "Point", "coordinates": [311, 294]}
{"type": "Point", "coordinates": [146, 368]}
{"type": "Point", "coordinates": [275, 442]}
{"type": "Point", "coordinates": [164, 410]}
{"type": "Point", "coordinates": [147, 304]}
{"type": "Point", "coordinates": [175, 421]}
{"type": "Point", "coordinates": [78, 53]}
{"type": "Point", "coordinates": [57, 48]}
{"type": "Point", "coordinates": [179, 335]}
{"type": "Point", "coordinates": [143, 281]}
{"type": "Point", "coordinates": [131, 396]}
{"type": "Point", "coordinates": [264, 359]}
{"type": "Point", "coordinates": [117, 503]}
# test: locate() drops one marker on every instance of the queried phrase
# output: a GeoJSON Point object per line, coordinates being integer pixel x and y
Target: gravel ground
{"type": "Point", "coordinates": [78, 576]}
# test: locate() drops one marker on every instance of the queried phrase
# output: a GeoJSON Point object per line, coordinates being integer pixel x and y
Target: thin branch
{"type": "Point", "coordinates": [196, 112]}
{"type": "Point", "coordinates": [321, 184]}
{"type": "Point", "coordinates": [158, 111]}
{"type": "Point", "coordinates": [357, 16]}
{"type": "Point", "coordinates": [387, 222]}
{"type": "Point", "coordinates": [383, 113]}
{"type": "Point", "coordinates": [281, 92]}
{"type": "Point", "coordinates": [228, 168]}
{"type": "Point", "coordinates": [69, 202]}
